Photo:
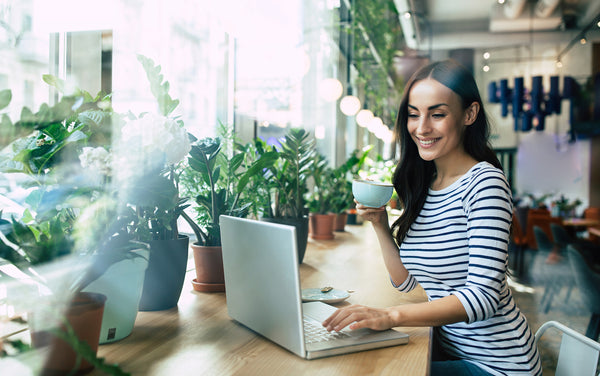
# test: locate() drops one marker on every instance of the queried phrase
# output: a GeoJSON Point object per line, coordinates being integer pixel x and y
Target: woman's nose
{"type": "Point", "coordinates": [424, 127]}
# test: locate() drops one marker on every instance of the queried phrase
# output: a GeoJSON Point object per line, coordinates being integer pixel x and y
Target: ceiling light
{"type": "Point", "coordinates": [583, 40]}
{"type": "Point", "coordinates": [486, 68]}
{"type": "Point", "coordinates": [407, 15]}
{"type": "Point", "coordinates": [598, 24]}
{"type": "Point", "coordinates": [559, 64]}
{"type": "Point", "coordinates": [330, 89]}
{"type": "Point", "coordinates": [486, 55]}
{"type": "Point", "coordinates": [501, 2]}
{"type": "Point", "coordinates": [375, 124]}
{"type": "Point", "coordinates": [364, 117]}
{"type": "Point", "coordinates": [350, 105]}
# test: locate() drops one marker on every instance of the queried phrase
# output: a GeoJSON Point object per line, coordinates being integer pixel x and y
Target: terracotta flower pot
{"type": "Point", "coordinates": [209, 269]}
{"type": "Point", "coordinates": [321, 226]}
{"type": "Point", "coordinates": [340, 221]}
{"type": "Point", "coordinates": [84, 314]}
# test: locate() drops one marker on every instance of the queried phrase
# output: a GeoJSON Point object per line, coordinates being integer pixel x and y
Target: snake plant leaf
{"type": "Point", "coordinates": [235, 162]}
{"type": "Point", "coordinates": [266, 161]}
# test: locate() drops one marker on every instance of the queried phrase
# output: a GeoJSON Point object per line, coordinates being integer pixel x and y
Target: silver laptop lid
{"type": "Point", "coordinates": [262, 280]}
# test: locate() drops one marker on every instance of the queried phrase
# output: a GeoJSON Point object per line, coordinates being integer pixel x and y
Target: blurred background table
{"type": "Point", "coordinates": [199, 338]}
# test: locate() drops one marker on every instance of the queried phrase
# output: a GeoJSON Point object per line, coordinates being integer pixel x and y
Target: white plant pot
{"type": "Point", "coordinates": [122, 284]}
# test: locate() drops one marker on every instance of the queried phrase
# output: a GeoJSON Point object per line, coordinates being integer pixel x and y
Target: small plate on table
{"type": "Point", "coordinates": [331, 296]}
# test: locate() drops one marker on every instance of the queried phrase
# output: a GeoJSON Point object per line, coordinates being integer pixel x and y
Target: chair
{"type": "Point", "coordinates": [589, 286]}
{"type": "Point", "coordinates": [561, 236]}
{"type": "Point", "coordinates": [541, 220]}
{"type": "Point", "coordinates": [578, 355]}
{"type": "Point", "coordinates": [590, 251]}
{"type": "Point", "coordinates": [593, 213]}
{"type": "Point", "coordinates": [556, 272]}
{"type": "Point", "coordinates": [519, 240]}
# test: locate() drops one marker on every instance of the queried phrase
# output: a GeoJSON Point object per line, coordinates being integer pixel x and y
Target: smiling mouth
{"type": "Point", "coordinates": [428, 142]}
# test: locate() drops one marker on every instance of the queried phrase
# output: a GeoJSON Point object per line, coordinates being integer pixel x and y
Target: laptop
{"type": "Point", "coordinates": [264, 294]}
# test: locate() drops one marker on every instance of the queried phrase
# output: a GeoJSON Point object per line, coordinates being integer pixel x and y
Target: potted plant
{"type": "Point", "coordinates": [320, 200]}
{"type": "Point", "coordinates": [563, 207]}
{"type": "Point", "coordinates": [282, 186]}
{"type": "Point", "coordinates": [216, 178]}
{"type": "Point", "coordinates": [45, 237]}
{"type": "Point", "coordinates": [342, 199]}
{"type": "Point", "coordinates": [148, 149]}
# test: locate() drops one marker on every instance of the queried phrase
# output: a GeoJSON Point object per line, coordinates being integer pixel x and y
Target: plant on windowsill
{"type": "Point", "coordinates": [281, 188]}
{"type": "Point", "coordinates": [146, 156]}
{"type": "Point", "coordinates": [46, 241]}
{"type": "Point", "coordinates": [320, 200]}
{"type": "Point", "coordinates": [216, 176]}
{"type": "Point", "coordinates": [342, 199]}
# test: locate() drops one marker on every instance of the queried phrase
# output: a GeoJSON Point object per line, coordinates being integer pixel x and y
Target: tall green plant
{"type": "Point", "coordinates": [287, 180]}
{"type": "Point", "coordinates": [217, 177]}
{"type": "Point", "coordinates": [321, 198]}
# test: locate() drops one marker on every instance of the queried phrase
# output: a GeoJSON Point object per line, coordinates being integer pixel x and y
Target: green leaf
{"type": "Point", "coordinates": [153, 191]}
{"type": "Point", "coordinates": [92, 117]}
{"type": "Point", "coordinates": [235, 162]}
{"type": "Point", "coordinates": [216, 174]}
{"type": "Point", "coordinates": [5, 98]}
{"type": "Point", "coordinates": [266, 160]}
{"type": "Point", "coordinates": [55, 82]}
{"type": "Point", "coordinates": [159, 89]}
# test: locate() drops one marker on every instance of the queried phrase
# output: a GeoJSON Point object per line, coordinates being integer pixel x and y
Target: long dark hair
{"type": "Point", "coordinates": [413, 176]}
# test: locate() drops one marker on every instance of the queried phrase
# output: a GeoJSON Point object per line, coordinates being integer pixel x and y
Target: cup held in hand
{"type": "Point", "coordinates": [373, 194]}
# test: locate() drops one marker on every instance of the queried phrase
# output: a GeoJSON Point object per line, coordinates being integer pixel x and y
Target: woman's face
{"type": "Point", "coordinates": [436, 120]}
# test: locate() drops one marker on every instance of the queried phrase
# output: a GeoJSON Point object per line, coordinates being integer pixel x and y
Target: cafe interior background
{"type": "Point", "coordinates": [265, 66]}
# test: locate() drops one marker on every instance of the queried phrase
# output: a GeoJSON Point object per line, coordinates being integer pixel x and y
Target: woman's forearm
{"type": "Point", "coordinates": [389, 251]}
{"type": "Point", "coordinates": [444, 311]}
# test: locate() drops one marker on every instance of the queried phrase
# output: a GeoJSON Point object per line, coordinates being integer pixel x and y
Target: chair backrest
{"type": "Point", "coordinates": [578, 355]}
{"type": "Point", "coordinates": [560, 235]}
{"type": "Point", "coordinates": [544, 244]}
{"type": "Point", "coordinates": [587, 280]}
{"type": "Point", "coordinates": [543, 222]}
{"type": "Point", "coordinates": [517, 233]}
{"type": "Point", "coordinates": [592, 213]}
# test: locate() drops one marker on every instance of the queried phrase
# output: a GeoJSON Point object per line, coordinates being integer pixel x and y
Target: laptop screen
{"type": "Point", "coordinates": [262, 280]}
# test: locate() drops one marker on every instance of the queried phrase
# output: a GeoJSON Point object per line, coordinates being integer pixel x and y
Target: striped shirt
{"type": "Point", "coordinates": [458, 246]}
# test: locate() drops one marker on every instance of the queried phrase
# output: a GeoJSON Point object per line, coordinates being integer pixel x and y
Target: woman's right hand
{"type": "Point", "coordinates": [377, 216]}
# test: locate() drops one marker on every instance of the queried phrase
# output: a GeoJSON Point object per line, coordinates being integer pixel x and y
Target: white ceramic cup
{"type": "Point", "coordinates": [373, 194]}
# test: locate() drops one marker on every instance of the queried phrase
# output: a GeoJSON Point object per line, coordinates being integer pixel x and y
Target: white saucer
{"type": "Point", "coordinates": [333, 296]}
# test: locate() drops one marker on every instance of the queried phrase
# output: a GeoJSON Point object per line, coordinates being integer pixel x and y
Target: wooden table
{"type": "Point", "coordinates": [580, 222]}
{"type": "Point", "coordinates": [199, 338]}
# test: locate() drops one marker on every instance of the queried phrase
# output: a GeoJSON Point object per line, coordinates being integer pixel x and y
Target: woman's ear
{"type": "Point", "coordinates": [471, 113]}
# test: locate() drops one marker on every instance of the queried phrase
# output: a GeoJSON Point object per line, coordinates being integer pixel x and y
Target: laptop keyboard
{"type": "Point", "coordinates": [315, 332]}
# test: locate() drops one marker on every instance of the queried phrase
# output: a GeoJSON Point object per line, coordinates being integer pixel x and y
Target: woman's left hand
{"type": "Point", "coordinates": [357, 317]}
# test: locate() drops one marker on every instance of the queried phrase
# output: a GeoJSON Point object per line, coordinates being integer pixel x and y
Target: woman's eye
{"type": "Point", "coordinates": [413, 116]}
{"type": "Point", "coordinates": [439, 116]}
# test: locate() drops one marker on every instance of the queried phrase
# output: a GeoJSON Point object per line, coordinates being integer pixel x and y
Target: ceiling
{"type": "Point", "coordinates": [457, 24]}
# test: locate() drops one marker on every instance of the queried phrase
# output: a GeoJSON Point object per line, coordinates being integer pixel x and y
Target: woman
{"type": "Point", "coordinates": [453, 233]}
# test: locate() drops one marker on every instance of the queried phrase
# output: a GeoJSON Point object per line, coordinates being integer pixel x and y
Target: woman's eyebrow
{"type": "Point", "coordinates": [433, 107]}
